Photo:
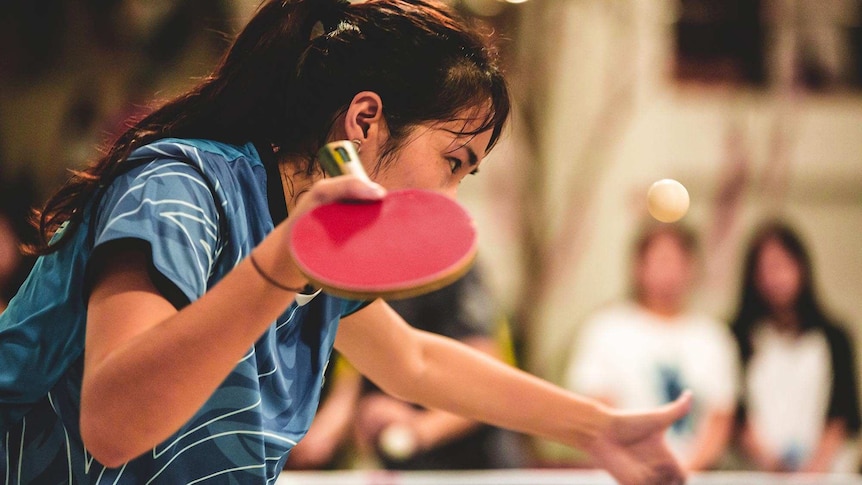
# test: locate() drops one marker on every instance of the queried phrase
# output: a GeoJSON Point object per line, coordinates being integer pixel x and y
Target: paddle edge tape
{"type": "Point", "coordinates": [433, 282]}
{"type": "Point", "coordinates": [440, 280]}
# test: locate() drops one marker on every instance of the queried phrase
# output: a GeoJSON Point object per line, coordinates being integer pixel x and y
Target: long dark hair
{"type": "Point", "coordinates": [753, 306]}
{"type": "Point", "coordinates": [295, 68]}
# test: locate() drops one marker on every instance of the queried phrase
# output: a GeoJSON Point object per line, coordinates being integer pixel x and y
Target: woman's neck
{"type": "Point", "coordinates": [662, 307]}
{"type": "Point", "coordinates": [786, 321]}
{"type": "Point", "coordinates": [295, 181]}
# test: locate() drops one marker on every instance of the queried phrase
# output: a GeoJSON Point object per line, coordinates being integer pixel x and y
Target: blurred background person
{"type": "Point", "coordinates": [17, 197]}
{"type": "Point", "coordinates": [648, 349]}
{"type": "Point", "coordinates": [378, 430]}
{"type": "Point", "coordinates": [328, 443]}
{"type": "Point", "coordinates": [800, 404]}
{"type": "Point", "coordinates": [465, 311]}
{"type": "Point", "coordinates": [10, 260]}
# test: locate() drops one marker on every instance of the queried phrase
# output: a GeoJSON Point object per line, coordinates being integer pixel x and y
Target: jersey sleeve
{"type": "Point", "coordinates": [168, 205]}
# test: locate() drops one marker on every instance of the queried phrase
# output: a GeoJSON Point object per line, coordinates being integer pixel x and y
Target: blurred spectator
{"type": "Point", "coordinates": [800, 401]}
{"type": "Point", "coordinates": [397, 435]}
{"type": "Point", "coordinates": [10, 258]}
{"type": "Point", "coordinates": [647, 350]}
{"type": "Point", "coordinates": [327, 445]}
{"type": "Point", "coordinates": [17, 197]}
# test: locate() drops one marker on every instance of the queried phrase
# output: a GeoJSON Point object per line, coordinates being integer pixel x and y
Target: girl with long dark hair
{"type": "Point", "coordinates": [800, 401]}
{"type": "Point", "coordinates": [165, 335]}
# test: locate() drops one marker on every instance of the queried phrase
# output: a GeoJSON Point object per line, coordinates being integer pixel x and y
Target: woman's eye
{"type": "Point", "coordinates": [454, 164]}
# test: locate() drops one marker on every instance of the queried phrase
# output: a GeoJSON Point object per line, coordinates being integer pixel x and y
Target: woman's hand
{"type": "Point", "coordinates": [634, 450]}
{"type": "Point", "coordinates": [271, 253]}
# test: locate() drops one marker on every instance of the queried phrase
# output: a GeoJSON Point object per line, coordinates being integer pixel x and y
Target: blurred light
{"type": "Point", "coordinates": [485, 8]}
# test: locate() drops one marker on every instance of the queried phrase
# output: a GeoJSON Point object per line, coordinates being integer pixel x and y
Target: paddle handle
{"type": "Point", "coordinates": [341, 158]}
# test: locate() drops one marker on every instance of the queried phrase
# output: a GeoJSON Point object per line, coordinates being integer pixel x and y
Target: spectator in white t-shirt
{"type": "Point", "coordinates": [646, 350]}
{"type": "Point", "coordinates": [800, 404]}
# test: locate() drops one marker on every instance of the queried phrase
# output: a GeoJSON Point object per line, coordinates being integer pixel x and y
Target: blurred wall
{"type": "Point", "coordinates": [613, 116]}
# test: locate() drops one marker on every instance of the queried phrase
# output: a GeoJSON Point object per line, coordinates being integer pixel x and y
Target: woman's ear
{"type": "Point", "coordinates": [364, 118]}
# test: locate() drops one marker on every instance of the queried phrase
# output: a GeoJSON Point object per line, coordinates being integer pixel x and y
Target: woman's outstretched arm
{"type": "Point", "coordinates": [438, 372]}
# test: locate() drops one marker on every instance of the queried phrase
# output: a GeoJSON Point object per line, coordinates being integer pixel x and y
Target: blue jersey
{"type": "Point", "coordinates": [176, 198]}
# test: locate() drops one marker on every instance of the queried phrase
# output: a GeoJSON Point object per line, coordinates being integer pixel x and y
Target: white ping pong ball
{"type": "Point", "coordinates": [667, 200]}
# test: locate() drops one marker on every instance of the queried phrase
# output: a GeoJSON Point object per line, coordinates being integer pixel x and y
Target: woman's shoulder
{"type": "Point", "coordinates": [613, 312]}
{"type": "Point", "coordinates": [615, 317]}
{"type": "Point", "coordinates": [197, 150]}
{"type": "Point", "coordinates": [708, 322]}
{"type": "Point", "coordinates": [836, 333]}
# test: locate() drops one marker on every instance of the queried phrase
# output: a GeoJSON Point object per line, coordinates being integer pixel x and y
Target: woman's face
{"type": "Point", "coordinates": [664, 271]}
{"type": "Point", "coordinates": [778, 276]}
{"type": "Point", "coordinates": [435, 157]}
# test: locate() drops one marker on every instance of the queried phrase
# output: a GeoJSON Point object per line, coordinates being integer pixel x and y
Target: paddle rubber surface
{"type": "Point", "coordinates": [411, 242]}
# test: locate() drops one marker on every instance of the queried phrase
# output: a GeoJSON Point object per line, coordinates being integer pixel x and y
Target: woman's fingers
{"type": "Point", "coordinates": [341, 188]}
{"type": "Point", "coordinates": [677, 409]}
{"type": "Point", "coordinates": [644, 424]}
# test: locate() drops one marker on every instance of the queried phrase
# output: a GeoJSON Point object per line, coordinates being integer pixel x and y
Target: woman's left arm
{"type": "Point", "coordinates": [712, 438]}
{"type": "Point", "coordinates": [843, 414]}
{"type": "Point", "coordinates": [833, 438]}
{"type": "Point", "coordinates": [438, 372]}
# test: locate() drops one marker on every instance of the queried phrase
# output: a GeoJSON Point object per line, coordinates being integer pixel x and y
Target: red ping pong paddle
{"type": "Point", "coordinates": [411, 242]}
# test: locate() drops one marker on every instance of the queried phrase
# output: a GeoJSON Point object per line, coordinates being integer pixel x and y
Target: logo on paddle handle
{"type": "Point", "coordinates": [341, 158]}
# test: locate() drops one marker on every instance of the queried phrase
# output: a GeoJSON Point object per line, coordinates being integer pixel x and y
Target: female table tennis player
{"type": "Point", "coordinates": [161, 337]}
